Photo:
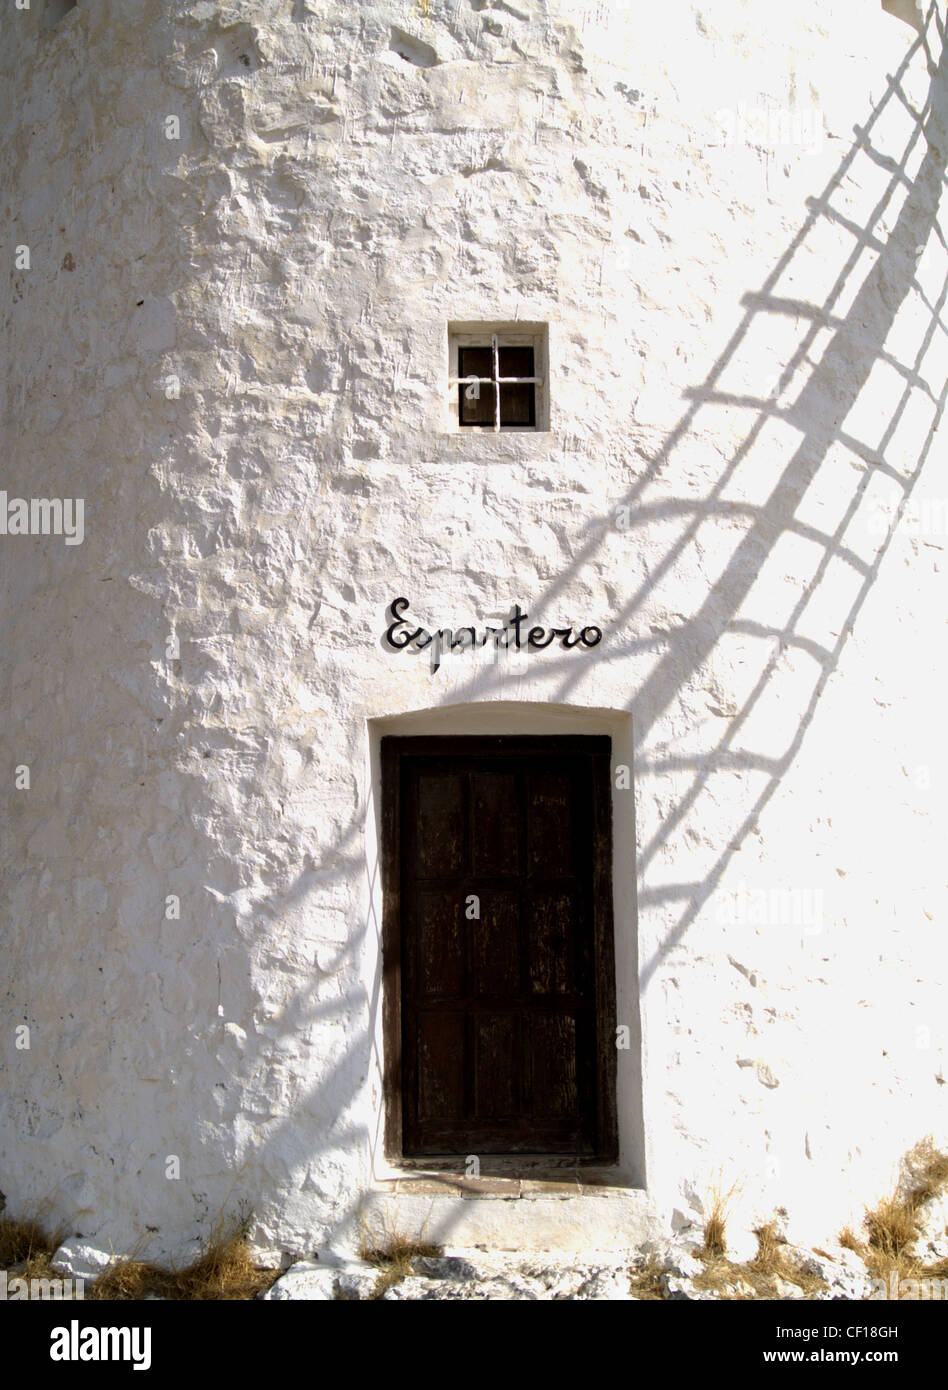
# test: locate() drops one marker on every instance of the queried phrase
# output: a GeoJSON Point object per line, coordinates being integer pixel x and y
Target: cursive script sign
{"type": "Point", "coordinates": [402, 634]}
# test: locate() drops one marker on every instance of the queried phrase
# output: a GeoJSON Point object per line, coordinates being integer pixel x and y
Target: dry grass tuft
{"type": "Point", "coordinates": [714, 1227]}
{"type": "Point", "coordinates": [891, 1227]}
{"type": "Point", "coordinates": [25, 1240]}
{"type": "Point", "coordinates": [750, 1279]}
{"type": "Point", "coordinates": [719, 1274]}
{"type": "Point", "coordinates": [927, 1172]}
{"type": "Point", "coordinates": [38, 1267]}
{"type": "Point", "coordinates": [395, 1259]}
{"type": "Point", "coordinates": [132, 1279]}
{"type": "Point", "coordinates": [645, 1281]}
{"type": "Point", "coordinates": [224, 1272]}
{"type": "Point", "coordinates": [892, 1224]}
{"type": "Point", "coordinates": [771, 1258]}
{"type": "Point", "coordinates": [755, 1279]}
{"type": "Point", "coordinates": [772, 1262]}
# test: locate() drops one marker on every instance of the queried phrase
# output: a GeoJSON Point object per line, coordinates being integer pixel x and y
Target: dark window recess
{"type": "Point", "coordinates": [518, 402]}
{"type": "Point", "coordinates": [500, 976]}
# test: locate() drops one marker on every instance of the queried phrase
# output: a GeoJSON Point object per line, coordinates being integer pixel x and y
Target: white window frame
{"type": "Point", "coordinates": [497, 336]}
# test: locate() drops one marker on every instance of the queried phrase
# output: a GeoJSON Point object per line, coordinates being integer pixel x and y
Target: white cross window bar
{"type": "Point", "coordinates": [473, 383]}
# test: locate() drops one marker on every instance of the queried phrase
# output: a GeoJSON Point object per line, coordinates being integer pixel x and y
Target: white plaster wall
{"type": "Point", "coordinates": [747, 365]}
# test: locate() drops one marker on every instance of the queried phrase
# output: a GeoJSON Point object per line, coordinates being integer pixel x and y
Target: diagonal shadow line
{"type": "Point", "coordinates": [703, 396]}
{"type": "Point", "coordinates": [826, 660]}
{"type": "Point", "coordinates": [686, 422]}
{"type": "Point", "coordinates": [700, 892]}
{"type": "Point", "coordinates": [915, 214]}
{"type": "Point", "coordinates": [750, 440]}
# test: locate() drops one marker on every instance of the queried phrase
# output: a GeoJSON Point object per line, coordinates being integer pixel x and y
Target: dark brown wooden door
{"type": "Point", "coordinates": [499, 857]}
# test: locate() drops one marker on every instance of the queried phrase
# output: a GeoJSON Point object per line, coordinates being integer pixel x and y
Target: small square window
{"type": "Point", "coordinates": [497, 376]}
{"type": "Point", "coordinates": [518, 403]}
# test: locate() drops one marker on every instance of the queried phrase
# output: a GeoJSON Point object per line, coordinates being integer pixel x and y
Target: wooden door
{"type": "Point", "coordinates": [497, 860]}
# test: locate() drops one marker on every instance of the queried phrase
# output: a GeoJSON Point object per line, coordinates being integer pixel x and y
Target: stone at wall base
{"type": "Point", "coordinates": [77, 1259]}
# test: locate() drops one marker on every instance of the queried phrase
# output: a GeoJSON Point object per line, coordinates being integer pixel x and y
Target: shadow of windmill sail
{"type": "Point", "coordinates": [828, 449]}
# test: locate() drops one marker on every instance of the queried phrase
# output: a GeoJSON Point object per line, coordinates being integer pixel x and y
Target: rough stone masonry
{"type": "Point", "coordinates": [236, 236]}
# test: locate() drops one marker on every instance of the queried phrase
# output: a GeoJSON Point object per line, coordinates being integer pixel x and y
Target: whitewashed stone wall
{"type": "Point", "coordinates": [232, 346]}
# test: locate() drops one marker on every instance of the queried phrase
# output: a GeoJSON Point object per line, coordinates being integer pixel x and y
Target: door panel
{"type": "Point", "coordinates": [554, 917]}
{"type": "Point", "coordinates": [440, 1066]}
{"type": "Point", "coordinates": [553, 1062]}
{"type": "Point", "coordinates": [495, 945]}
{"type": "Point", "coordinates": [440, 953]}
{"type": "Point", "coordinates": [498, 900]}
{"type": "Point", "coordinates": [440, 827]}
{"type": "Point", "coordinates": [496, 1079]}
{"type": "Point", "coordinates": [495, 831]}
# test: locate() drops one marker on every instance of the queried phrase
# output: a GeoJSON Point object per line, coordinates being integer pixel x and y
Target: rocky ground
{"type": "Point", "coordinates": [763, 1265]}
{"type": "Point", "coordinates": [675, 1271]}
